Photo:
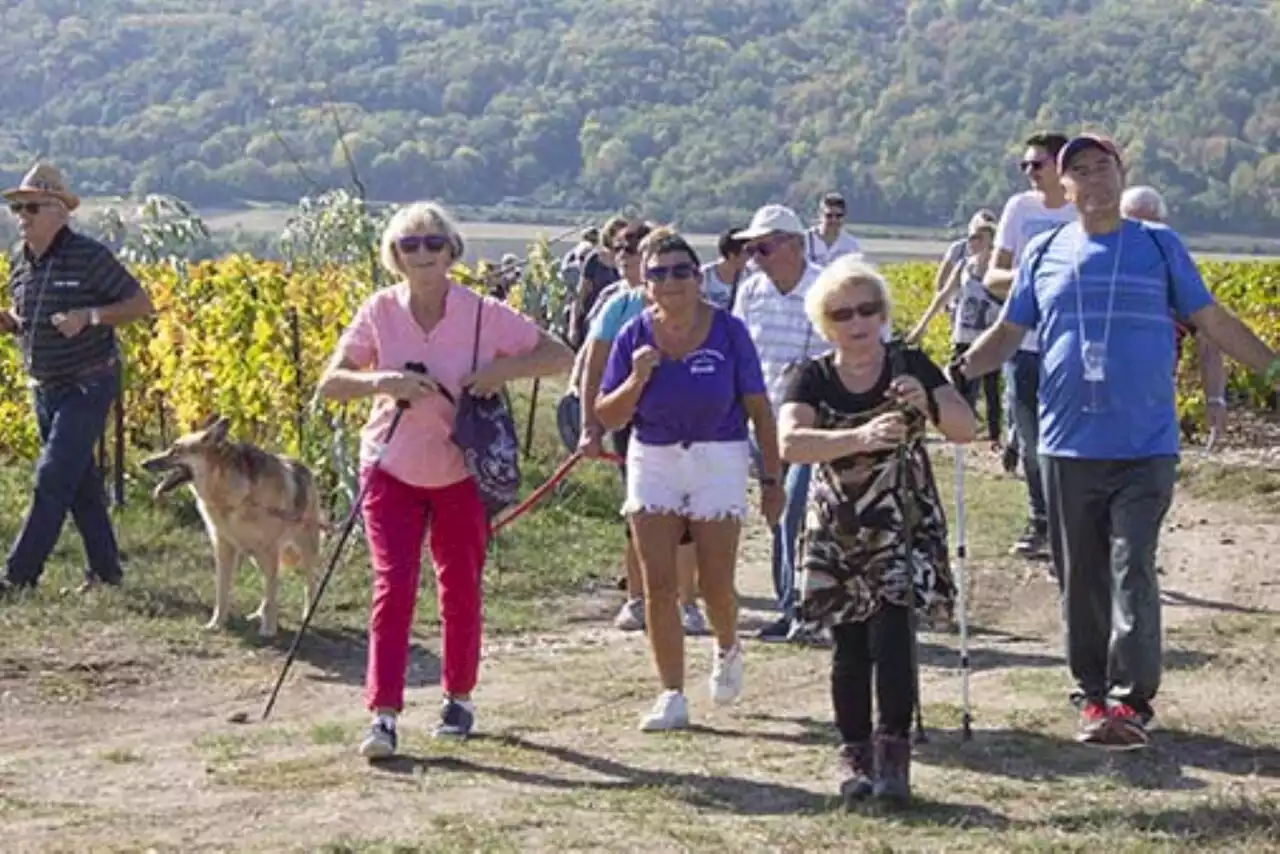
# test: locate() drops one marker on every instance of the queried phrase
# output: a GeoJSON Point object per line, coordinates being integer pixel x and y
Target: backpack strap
{"type": "Point", "coordinates": [475, 346]}
{"type": "Point", "coordinates": [1168, 273]}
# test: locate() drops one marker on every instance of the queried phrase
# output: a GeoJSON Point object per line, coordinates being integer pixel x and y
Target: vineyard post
{"type": "Point", "coordinates": [295, 348]}
{"type": "Point", "coordinates": [533, 410]}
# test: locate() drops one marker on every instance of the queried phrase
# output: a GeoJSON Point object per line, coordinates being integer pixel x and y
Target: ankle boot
{"type": "Point", "coordinates": [857, 770]}
{"type": "Point", "coordinates": [893, 768]}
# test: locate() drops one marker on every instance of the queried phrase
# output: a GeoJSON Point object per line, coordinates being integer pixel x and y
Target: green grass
{"type": "Point", "coordinates": [567, 546]}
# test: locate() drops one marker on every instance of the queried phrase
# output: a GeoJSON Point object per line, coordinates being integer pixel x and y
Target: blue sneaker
{"type": "Point", "coordinates": [457, 717]}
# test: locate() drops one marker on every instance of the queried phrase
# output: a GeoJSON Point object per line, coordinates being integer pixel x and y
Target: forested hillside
{"type": "Point", "coordinates": [913, 107]}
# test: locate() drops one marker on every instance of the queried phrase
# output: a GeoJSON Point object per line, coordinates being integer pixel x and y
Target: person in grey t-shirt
{"type": "Point", "coordinates": [720, 277]}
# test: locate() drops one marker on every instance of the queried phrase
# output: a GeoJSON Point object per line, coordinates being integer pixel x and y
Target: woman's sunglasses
{"type": "Point", "coordinates": [846, 313]}
{"type": "Point", "coordinates": [682, 271]}
{"type": "Point", "coordinates": [626, 249]}
{"type": "Point", "coordinates": [429, 242]}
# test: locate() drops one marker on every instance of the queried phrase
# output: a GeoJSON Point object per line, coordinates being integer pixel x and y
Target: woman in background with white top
{"type": "Point", "coordinates": [976, 309]}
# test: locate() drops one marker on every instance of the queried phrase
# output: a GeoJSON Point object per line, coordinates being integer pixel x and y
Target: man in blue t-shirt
{"type": "Point", "coordinates": [1101, 293]}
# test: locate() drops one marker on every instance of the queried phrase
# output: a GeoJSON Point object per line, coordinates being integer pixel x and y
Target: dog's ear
{"type": "Point", "coordinates": [217, 431]}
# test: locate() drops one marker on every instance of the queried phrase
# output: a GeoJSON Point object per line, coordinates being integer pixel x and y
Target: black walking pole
{"type": "Point", "coordinates": [401, 406]}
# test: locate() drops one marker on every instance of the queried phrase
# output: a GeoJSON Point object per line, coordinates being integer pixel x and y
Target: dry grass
{"type": "Point", "coordinates": [117, 737]}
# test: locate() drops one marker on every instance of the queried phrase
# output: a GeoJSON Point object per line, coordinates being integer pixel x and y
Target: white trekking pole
{"type": "Point", "coordinates": [966, 732]}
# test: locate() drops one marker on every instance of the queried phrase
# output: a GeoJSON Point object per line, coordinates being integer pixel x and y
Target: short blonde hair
{"type": "Point", "coordinates": [847, 271]}
{"type": "Point", "coordinates": [417, 218]}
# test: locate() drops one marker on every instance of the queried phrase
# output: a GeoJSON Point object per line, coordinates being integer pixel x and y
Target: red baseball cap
{"type": "Point", "coordinates": [1084, 142]}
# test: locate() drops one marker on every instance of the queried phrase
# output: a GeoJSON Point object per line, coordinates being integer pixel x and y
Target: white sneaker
{"type": "Point", "coordinates": [630, 616]}
{"type": "Point", "coordinates": [670, 712]}
{"type": "Point", "coordinates": [692, 619]}
{"type": "Point", "coordinates": [727, 674]}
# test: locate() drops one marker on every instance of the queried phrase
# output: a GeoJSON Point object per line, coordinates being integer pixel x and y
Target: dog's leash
{"type": "Point", "coordinates": [538, 494]}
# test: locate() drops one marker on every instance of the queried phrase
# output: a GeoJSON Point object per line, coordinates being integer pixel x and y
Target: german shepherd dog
{"type": "Point", "coordinates": [254, 503]}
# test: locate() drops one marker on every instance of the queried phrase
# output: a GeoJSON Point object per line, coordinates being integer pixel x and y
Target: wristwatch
{"type": "Point", "coordinates": [1216, 401]}
{"type": "Point", "coordinates": [765, 480]}
{"type": "Point", "coordinates": [95, 317]}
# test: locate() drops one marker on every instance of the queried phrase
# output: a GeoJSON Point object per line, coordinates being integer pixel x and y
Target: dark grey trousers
{"type": "Point", "coordinates": [1104, 523]}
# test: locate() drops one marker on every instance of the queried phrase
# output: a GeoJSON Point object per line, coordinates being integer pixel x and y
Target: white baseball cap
{"type": "Point", "coordinates": [772, 219]}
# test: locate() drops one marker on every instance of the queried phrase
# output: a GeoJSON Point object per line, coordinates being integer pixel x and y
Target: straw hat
{"type": "Point", "coordinates": [44, 180]}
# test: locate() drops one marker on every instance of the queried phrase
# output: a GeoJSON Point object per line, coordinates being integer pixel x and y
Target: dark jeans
{"type": "Point", "coordinates": [1105, 518]}
{"type": "Point", "coordinates": [989, 385]}
{"type": "Point", "coordinates": [1026, 415]}
{"type": "Point", "coordinates": [70, 419]}
{"type": "Point", "coordinates": [882, 642]}
{"type": "Point", "coordinates": [786, 534]}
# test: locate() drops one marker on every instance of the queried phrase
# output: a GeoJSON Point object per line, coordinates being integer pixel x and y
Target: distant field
{"type": "Point", "coordinates": [492, 239]}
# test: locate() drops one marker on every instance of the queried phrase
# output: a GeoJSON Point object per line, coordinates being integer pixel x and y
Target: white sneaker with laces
{"type": "Point", "coordinates": [670, 712]}
{"type": "Point", "coordinates": [727, 673]}
{"type": "Point", "coordinates": [630, 616]}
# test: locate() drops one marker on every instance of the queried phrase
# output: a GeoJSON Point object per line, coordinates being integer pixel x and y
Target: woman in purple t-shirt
{"type": "Point", "coordinates": [686, 375]}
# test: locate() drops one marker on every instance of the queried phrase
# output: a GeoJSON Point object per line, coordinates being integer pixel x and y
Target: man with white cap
{"type": "Point", "coordinates": [68, 293]}
{"type": "Point", "coordinates": [770, 302]}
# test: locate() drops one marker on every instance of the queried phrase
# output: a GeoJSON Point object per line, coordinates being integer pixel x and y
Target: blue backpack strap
{"type": "Point", "coordinates": [1168, 272]}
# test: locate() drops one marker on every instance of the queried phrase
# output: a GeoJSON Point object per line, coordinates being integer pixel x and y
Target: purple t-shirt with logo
{"type": "Point", "coordinates": [694, 399]}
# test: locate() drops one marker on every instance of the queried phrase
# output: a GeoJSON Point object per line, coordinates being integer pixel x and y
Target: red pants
{"type": "Point", "coordinates": [397, 516]}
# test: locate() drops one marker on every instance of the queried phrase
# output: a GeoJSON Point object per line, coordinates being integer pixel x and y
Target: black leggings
{"type": "Point", "coordinates": [989, 385]}
{"type": "Point", "coordinates": [884, 641]}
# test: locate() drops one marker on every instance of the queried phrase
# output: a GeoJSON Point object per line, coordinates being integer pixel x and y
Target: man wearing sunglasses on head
{"type": "Point", "coordinates": [1027, 214]}
{"type": "Point", "coordinates": [771, 303]}
{"type": "Point", "coordinates": [68, 292]}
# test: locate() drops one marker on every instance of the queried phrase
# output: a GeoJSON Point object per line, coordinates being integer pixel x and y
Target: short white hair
{"type": "Point", "coordinates": [1143, 203]}
{"type": "Point", "coordinates": [846, 272]}
{"type": "Point", "coordinates": [417, 218]}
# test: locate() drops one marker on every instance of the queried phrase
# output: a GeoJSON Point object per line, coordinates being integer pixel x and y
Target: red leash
{"type": "Point", "coordinates": [541, 492]}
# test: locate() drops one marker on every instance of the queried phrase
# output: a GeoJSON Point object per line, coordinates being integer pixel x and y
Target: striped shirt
{"type": "Point", "coordinates": [75, 272]}
{"type": "Point", "coordinates": [779, 327]}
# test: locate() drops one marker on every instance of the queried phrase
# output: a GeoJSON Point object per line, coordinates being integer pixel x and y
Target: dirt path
{"type": "Point", "coordinates": [561, 765]}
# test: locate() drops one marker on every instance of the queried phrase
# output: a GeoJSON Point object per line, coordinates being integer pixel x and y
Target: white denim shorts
{"type": "Point", "coordinates": [703, 481]}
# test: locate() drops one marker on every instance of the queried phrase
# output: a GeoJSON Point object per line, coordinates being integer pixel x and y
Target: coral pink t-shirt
{"type": "Point", "coordinates": [383, 335]}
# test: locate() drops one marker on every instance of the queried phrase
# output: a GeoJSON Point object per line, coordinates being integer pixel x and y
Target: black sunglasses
{"type": "Point", "coordinates": [682, 270]}
{"type": "Point", "coordinates": [429, 242]}
{"type": "Point", "coordinates": [1032, 165]}
{"type": "Point", "coordinates": [848, 312]}
{"type": "Point", "coordinates": [28, 207]}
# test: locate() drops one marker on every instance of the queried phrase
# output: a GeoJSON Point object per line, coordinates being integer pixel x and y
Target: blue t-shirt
{"type": "Point", "coordinates": [1133, 414]}
{"type": "Point", "coordinates": [614, 313]}
{"type": "Point", "coordinates": [694, 399]}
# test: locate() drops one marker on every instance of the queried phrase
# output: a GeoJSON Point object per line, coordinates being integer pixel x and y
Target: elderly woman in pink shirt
{"type": "Point", "coordinates": [421, 489]}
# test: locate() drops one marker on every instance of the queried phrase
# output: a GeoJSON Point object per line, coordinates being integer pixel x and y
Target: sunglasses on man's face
{"type": "Point", "coordinates": [429, 242]}
{"type": "Point", "coordinates": [766, 246]}
{"type": "Point", "coordinates": [681, 272]}
{"type": "Point", "coordinates": [846, 313]}
{"type": "Point", "coordinates": [1029, 166]}
{"type": "Point", "coordinates": [32, 208]}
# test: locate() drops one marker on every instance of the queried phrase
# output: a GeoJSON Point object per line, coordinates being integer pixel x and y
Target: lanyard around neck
{"type": "Point", "coordinates": [1111, 296]}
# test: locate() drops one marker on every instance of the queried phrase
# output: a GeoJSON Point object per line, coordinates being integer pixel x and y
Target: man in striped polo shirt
{"type": "Point", "coordinates": [67, 292]}
{"type": "Point", "coordinates": [770, 302]}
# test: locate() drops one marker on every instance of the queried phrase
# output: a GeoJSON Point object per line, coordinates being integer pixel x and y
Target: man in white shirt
{"type": "Point", "coordinates": [827, 241]}
{"type": "Point", "coordinates": [770, 301]}
{"type": "Point", "coordinates": [1025, 215]}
